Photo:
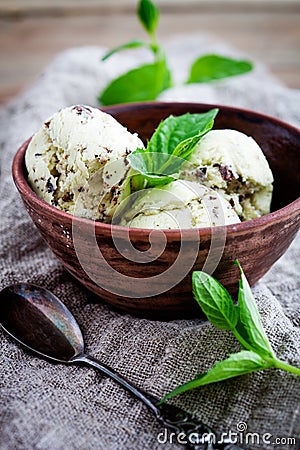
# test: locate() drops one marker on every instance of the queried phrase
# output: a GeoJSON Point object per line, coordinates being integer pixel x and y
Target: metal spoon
{"type": "Point", "coordinates": [37, 319]}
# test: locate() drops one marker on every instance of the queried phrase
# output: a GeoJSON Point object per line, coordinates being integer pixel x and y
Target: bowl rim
{"type": "Point", "coordinates": [18, 171]}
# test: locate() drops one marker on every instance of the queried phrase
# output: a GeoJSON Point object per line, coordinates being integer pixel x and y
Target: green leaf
{"type": "Point", "coordinates": [173, 130]}
{"type": "Point", "coordinates": [137, 181]}
{"type": "Point", "coordinates": [186, 147]}
{"type": "Point", "coordinates": [140, 84]}
{"type": "Point", "coordinates": [128, 45]}
{"type": "Point", "coordinates": [215, 67]}
{"type": "Point", "coordinates": [249, 325]}
{"type": "Point", "coordinates": [170, 145]}
{"type": "Point", "coordinates": [148, 14]}
{"type": "Point", "coordinates": [155, 164]}
{"type": "Point", "coordinates": [237, 364]}
{"type": "Point", "coordinates": [167, 82]}
{"type": "Point", "coordinates": [159, 180]}
{"type": "Point", "coordinates": [157, 168]}
{"type": "Point", "coordinates": [215, 301]}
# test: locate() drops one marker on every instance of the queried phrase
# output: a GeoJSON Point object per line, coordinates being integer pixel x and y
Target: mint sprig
{"type": "Point", "coordinates": [147, 81]}
{"type": "Point", "coordinates": [170, 145]}
{"type": "Point", "coordinates": [244, 321]}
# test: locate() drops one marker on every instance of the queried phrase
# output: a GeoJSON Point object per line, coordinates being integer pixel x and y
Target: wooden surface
{"type": "Point", "coordinates": [32, 32]}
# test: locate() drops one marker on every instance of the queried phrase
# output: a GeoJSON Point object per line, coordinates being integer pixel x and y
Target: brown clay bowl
{"type": "Point", "coordinates": [100, 255]}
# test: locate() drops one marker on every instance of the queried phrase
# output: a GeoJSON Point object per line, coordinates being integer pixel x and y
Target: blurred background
{"type": "Point", "coordinates": [33, 31]}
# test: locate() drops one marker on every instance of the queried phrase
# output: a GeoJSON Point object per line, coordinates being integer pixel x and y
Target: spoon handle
{"type": "Point", "coordinates": [145, 398]}
{"type": "Point", "coordinates": [192, 432]}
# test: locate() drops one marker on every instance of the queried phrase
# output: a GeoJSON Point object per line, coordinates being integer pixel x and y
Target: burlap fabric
{"type": "Point", "coordinates": [48, 406]}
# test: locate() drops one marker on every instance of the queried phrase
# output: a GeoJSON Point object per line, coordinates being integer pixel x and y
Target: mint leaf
{"type": "Point", "coordinates": [249, 326]}
{"type": "Point", "coordinates": [215, 67]}
{"type": "Point", "coordinates": [167, 80]}
{"type": "Point", "coordinates": [174, 130]}
{"type": "Point", "coordinates": [170, 145]}
{"type": "Point", "coordinates": [185, 148]}
{"type": "Point", "coordinates": [157, 169]}
{"type": "Point", "coordinates": [140, 84]}
{"type": "Point", "coordinates": [237, 364]}
{"type": "Point", "coordinates": [128, 45]}
{"type": "Point", "coordinates": [148, 14]}
{"type": "Point", "coordinates": [215, 301]}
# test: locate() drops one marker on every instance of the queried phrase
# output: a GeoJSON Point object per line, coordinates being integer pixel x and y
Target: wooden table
{"type": "Point", "coordinates": [33, 31]}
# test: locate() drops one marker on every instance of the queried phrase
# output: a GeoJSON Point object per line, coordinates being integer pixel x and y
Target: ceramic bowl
{"type": "Point", "coordinates": [106, 258]}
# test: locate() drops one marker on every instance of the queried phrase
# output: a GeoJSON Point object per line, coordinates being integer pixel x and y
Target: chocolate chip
{"type": "Point", "coordinates": [226, 173]}
{"type": "Point", "coordinates": [67, 197]}
{"type": "Point", "coordinates": [49, 186]}
{"type": "Point", "coordinates": [231, 201]}
{"type": "Point", "coordinates": [82, 109]}
{"type": "Point", "coordinates": [201, 172]}
{"type": "Point", "coordinates": [38, 154]}
{"type": "Point", "coordinates": [47, 124]}
{"type": "Point", "coordinates": [78, 110]}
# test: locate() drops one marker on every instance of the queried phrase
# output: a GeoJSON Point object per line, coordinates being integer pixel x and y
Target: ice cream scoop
{"type": "Point", "coordinates": [77, 162]}
{"type": "Point", "coordinates": [233, 164]}
{"type": "Point", "coordinates": [177, 205]}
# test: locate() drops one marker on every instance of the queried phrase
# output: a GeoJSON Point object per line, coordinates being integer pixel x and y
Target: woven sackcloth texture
{"type": "Point", "coordinates": [54, 406]}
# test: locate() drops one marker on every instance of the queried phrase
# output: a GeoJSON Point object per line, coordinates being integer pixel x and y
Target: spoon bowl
{"type": "Point", "coordinates": [37, 319]}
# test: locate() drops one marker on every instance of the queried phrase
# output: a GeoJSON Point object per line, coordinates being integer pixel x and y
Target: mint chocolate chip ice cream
{"type": "Point", "coordinates": [179, 204]}
{"type": "Point", "coordinates": [233, 165]}
{"type": "Point", "coordinates": [77, 162]}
